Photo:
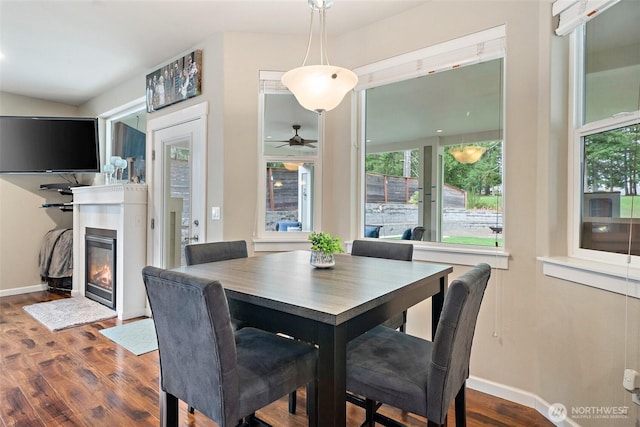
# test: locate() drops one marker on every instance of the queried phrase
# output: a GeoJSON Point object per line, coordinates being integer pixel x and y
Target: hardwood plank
{"type": "Point", "coordinates": [41, 394]}
{"type": "Point", "coordinates": [78, 377]}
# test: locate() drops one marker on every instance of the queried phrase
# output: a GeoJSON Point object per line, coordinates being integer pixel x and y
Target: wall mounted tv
{"type": "Point", "coordinates": [49, 144]}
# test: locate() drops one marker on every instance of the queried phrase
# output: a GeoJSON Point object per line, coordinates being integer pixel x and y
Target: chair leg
{"type": "Point", "coordinates": [168, 410]}
{"type": "Point", "coordinates": [292, 402]}
{"type": "Point", "coordinates": [403, 327]}
{"type": "Point", "coordinates": [461, 412]}
{"type": "Point", "coordinates": [370, 412]}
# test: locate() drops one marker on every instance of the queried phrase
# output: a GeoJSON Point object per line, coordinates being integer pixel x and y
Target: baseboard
{"type": "Point", "coordinates": [518, 396]}
{"type": "Point", "coordinates": [23, 290]}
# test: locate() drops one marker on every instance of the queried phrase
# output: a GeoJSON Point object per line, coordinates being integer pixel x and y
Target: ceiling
{"type": "Point", "coordinates": [71, 51]}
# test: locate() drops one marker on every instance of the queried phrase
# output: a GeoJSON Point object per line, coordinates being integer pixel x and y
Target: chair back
{"type": "Point", "coordinates": [195, 342]}
{"type": "Point", "coordinates": [382, 249]}
{"type": "Point", "coordinates": [372, 231]}
{"type": "Point", "coordinates": [387, 250]}
{"type": "Point", "coordinates": [449, 367]}
{"type": "Point", "coordinates": [199, 253]}
{"type": "Point", "coordinates": [417, 233]}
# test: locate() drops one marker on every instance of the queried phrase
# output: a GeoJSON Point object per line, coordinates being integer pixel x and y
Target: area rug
{"type": "Point", "coordinates": [138, 337]}
{"type": "Point", "coordinates": [65, 313]}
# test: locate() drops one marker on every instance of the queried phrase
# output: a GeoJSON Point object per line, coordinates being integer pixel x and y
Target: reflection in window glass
{"type": "Point", "coordinates": [391, 194]}
{"type": "Point", "coordinates": [289, 196]}
{"type": "Point", "coordinates": [433, 158]}
{"type": "Point", "coordinates": [472, 194]}
{"type": "Point", "coordinates": [612, 62]}
{"type": "Point", "coordinates": [610, 181]}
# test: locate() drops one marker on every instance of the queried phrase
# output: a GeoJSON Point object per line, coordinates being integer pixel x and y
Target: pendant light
{"type": "Point", "coordinates": [320, 87]}
{"type": "Point", "coordinates": [468, 154]}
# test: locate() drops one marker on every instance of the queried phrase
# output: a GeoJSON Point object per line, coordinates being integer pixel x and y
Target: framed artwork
{"type": "Point", "coordinates": [175, 81]}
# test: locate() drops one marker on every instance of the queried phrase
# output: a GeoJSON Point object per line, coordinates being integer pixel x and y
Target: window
{"type": "Point", "coordinates": [290, 148]}
{"type": "Point", "coordinates": [126, 138]}
{"type": "Point", "coordinates": [607, 137]}
{"type": "Point", "coordinates": [433, 157]}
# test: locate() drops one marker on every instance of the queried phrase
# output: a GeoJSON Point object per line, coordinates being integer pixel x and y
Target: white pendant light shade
{"type": "Point", "coordinates": [319, 87]}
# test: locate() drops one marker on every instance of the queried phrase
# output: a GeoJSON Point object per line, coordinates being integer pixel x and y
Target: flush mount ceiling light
{"type": "Point", "coordinates": [321, 87]}
{"type": "Point", "coordinates": [467, 153]}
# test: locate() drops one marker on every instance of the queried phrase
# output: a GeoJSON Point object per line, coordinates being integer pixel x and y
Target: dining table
{"type": "Point", "coordinates": [281, 292]}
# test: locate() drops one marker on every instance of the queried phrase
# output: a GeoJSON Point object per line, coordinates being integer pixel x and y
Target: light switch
{"type": "Point", "coordinates": [215, 212]}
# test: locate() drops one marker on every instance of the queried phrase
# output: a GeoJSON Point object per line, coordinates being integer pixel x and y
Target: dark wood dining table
{"type": "Point", "coordinates": [282, 292]}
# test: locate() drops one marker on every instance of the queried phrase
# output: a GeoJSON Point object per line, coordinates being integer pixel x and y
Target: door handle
{"type": "Point", "coordinates": [188, 239]}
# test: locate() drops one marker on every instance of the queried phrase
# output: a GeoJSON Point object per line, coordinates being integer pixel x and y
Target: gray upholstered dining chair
{"type": "Point", "coordinates": [417, 233]}
{"type": "Point", "coordinates": [388, 250]}
{"type": "Point", "coordinates": [199, 253]}
{"type": "Point", "coordinates": [227, 375]}
{"type": "Point", "coordinates": [415, 375]}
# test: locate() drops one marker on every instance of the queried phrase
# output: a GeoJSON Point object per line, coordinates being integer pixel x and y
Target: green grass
{"type": "Point", "coordinates": [487, 202]}
{"type": "Point", "coordinates": [477, 241]}
{"type": "Point", "coordinates": [625, 206]}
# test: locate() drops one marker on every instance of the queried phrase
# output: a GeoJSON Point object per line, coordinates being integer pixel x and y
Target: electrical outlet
{"type": "Point", "coordinates": [631, 382]}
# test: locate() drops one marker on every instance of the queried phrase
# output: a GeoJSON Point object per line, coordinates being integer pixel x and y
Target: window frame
{"type": "Point", "coordinates": [441, 57]}
{"type": "Point", "coordinates": [272, 240]}
{"type": "Point", "coordinates": [578, 130]}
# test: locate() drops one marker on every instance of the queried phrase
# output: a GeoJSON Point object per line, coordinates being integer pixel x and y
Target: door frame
{"type": "Point", "coordinates": [199, 113]}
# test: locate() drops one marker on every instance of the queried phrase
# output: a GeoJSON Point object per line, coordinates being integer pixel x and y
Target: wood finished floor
{"type": "Point", "coordinates": [78, 377]}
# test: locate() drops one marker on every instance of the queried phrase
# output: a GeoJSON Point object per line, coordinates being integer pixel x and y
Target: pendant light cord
{"type": "Point", "coordinates": [306, 55]}
{"type": "Point", "coordinates": [324, 56]}
{"type": "Point", "coordinates": [323, 36]}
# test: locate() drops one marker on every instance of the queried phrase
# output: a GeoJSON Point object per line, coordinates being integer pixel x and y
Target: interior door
{"type": "Point", "coordinates": [179, 179]}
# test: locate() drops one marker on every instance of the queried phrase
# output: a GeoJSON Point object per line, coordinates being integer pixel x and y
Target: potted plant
{"type": "Point", "coordinates": [323, 246]}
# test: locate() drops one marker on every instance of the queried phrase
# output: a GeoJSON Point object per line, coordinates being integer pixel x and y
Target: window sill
{"type": "Point", "coordinates": [616, 278]}
{"type": "Point", "coordinates": [456, 254]}
{"type": "Point", "coordinates": [282, 244]}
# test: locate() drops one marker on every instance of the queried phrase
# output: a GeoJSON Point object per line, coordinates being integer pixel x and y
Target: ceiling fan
{"type": "Point", "coordinates": [297, 140]}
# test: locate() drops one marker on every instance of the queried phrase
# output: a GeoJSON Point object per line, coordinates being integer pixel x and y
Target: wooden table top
{"type": "Point", "coordinates": [287, 282]}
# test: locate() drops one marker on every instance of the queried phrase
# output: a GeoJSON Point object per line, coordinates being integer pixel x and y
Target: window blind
{"type": "Point", "coordinates": [473, 49]}
{"type": "Point", "coordinates": [573, 13]}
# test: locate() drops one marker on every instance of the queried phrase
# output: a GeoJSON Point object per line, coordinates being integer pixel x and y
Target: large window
{"type": "Point", "coordinates": [607, 137]}
{"type": "Point", "coordinates": [433, 158]}
{"type": "Point", "coordinates": [291, 143]}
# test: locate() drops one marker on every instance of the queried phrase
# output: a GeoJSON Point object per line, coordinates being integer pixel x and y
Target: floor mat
{"type": "Point", "coordinates": [65, 313]}
{"type": "Point", "coordinates": [138, 337]}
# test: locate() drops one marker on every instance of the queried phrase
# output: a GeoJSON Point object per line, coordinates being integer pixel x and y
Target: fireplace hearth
{"type": "Point", "coordinates": [100, 269]}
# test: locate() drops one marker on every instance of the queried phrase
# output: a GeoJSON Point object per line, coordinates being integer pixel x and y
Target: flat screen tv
{"type": "Point", "coordinates": [49, 144]}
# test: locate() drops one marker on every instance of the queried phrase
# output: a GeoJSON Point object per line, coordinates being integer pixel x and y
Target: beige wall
{"type": "Point", "coordinates": [23, 222]}
{"type": "Point", "coordinates": [551, 340]}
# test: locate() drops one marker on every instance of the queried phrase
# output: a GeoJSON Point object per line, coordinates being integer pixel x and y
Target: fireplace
{"type": "Point", "coordinates": [100, 268]}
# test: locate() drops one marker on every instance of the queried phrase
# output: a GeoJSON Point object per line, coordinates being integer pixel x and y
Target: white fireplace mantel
{"type": "Point", "coordinates": [123, 208]}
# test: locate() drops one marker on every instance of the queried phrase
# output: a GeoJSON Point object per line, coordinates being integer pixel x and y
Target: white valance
{"type": "Point", "coordinates": [468, 50]}
{"type": "Point", "coordinates": [574, 13]}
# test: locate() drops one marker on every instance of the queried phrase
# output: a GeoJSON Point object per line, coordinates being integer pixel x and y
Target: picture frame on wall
{"type": "Point", "coordinates": [175, 81]}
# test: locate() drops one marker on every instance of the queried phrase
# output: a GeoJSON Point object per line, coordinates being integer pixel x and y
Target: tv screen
{"type": "Point", "coordinates": [49, 144]}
